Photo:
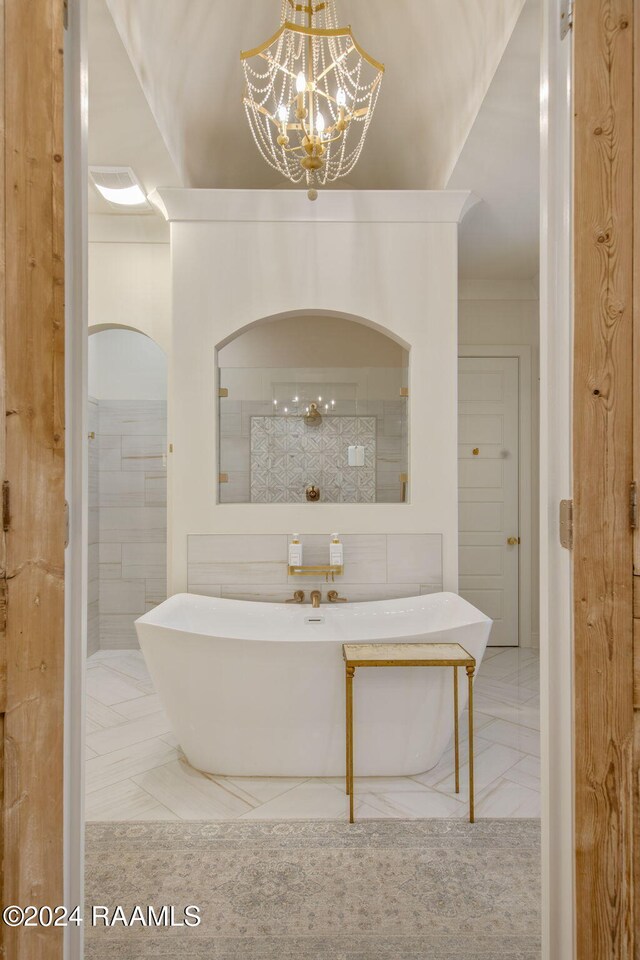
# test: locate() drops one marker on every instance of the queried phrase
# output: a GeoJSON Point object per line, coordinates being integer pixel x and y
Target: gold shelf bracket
{"type": "Point", "coordinates": [318, 570]}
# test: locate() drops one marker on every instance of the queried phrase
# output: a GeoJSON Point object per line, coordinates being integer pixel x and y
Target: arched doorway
{"type": "Point", "coordinates": [127, 385]}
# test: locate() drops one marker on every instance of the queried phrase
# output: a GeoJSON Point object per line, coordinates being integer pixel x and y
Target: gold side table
{"type": "Point", "coordinates": [411, 655]}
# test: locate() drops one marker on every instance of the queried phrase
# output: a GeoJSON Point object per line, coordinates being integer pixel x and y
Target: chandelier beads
{"type": "Point", "coordinates": [310, 94]}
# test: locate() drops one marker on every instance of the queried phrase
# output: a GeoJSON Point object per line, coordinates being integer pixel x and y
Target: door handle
{"type": "Point", "coordinates": [513, 541]}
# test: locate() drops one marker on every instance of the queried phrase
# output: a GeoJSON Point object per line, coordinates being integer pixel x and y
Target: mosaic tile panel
{"type": "Point", "coordinates": [287, 456]}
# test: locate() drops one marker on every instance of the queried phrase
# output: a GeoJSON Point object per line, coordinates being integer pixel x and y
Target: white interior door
{"type": "Point", "coordinates": [488, 485]}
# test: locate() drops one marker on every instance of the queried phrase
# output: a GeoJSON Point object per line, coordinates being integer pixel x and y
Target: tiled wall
{"type": "Point", "coordinates": [287, 456]}
{"type": "Point", "coordinates": [93, 606]}
{"type": "Point", "coordinates": [132, 498]}
{"type": "Point", "coordinates": [363, 392]}
{"type": "Point", "coordinates": [376, 566]}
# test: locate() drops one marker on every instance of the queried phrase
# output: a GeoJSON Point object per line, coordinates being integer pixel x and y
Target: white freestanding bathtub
{"type": "Point", "coordinates": [257, 689]}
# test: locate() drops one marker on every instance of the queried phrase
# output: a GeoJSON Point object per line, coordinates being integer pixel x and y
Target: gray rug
{"type": "Point", "coordinates": [320, 890]}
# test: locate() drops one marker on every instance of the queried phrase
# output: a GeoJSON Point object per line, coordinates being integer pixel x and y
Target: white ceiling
{"type": "Point", "coordinates": [464, 114]}
{"type": "Point", "coordinates": [122, 130]}
{"type": "Point", "coordinates": [499, 238]}
{"type": "Point", "coordinates": [440, 57]}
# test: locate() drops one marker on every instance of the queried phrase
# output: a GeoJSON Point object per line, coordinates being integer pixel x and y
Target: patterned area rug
{"type": "Point", "coordinates": [319, 890]}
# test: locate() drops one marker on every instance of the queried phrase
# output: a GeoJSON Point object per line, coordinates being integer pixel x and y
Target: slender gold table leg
{"type": "Point", "coordinates": [456, 732]}
{"type": "Point", "coordinates": [347, 728]}
{"type": "Point", "coordinates": [472, 814]}
{"type": "Point", "coordinates": [350, 675]}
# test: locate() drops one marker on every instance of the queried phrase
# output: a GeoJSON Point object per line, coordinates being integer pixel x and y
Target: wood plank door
{"type": "Point", "coordinates": [488, 486]}
{"type": "Point", "coordinates": [32, 460]}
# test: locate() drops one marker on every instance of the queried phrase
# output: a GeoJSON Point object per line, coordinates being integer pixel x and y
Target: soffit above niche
{"type": "Point", "coordinates": [440, 58]}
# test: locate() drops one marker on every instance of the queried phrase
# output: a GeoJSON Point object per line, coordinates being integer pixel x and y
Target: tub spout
{"type": "Point", "coordinates": [316, 597]}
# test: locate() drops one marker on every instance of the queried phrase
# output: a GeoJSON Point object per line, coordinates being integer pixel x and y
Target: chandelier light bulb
{"type": "Point", "coordinates": [301, 83]}
{"type": "Point", "coordinates": [320, 124]}
{"type": "Point", "coordinates": [341, 98]}
{"type": "Point", "coordinates": [283, 113]}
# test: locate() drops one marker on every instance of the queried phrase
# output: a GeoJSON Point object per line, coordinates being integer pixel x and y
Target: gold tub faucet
{"type": "Point", "coordinates": [298, 597]}
{"type": "Point", "coordinates": [316, 597]}
{"type": "Point", "coordinates": [334, 597]}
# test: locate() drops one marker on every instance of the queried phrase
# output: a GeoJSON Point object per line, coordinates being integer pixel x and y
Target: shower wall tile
{"type": "Point", "coordinates": [122, 596]}
{"type": "Point", "coordinates": [366, 553]}
{"type": "Point", "coordinates": [129, 524]}
{"type": "Point", "coordinates": [234, 454]}
{"type": "Point", "coordinates": [110, 453]}
{"type": "Point", "coordinates": [144, 452]}
{"type": "Point", "coordinates": [256, 567]}
{"type": "Point", "coordinates": [110, 552]}
{"type": "Point", "coordinates": [247, 572]}
{"type": "Point", "coordinates": [132, 417]}
{"type": "Point", "coordinates": [237, 489]}
{"type": "Point", "coordinates": [131, 534]}
{"type": "Point", "coordinates": [237, 548]}
{"type": "Point", "coordinates": [117, 632]}
{"type": "Point", "coordinates": [146, 561]}
{"type": "Point", "coordinates": [110, 571]}
{"type": "Point", "coordinates": [155, 490]}
{"type": "Point", "coordinates": [287, 456]}
{"type": "Point", "coordinates": [118, 488]}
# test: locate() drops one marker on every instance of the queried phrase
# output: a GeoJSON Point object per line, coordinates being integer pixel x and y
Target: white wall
{"type": "Point", "coordinates": [390, 259]}
{"type": "Point", "coordinates": [511, 317]}
{"type": "Point", "coordinates": [124, 365]}
{"type": "Point", "coordinates": [328, 341]}
{"type": "Point", "coordinates": [129, 275]}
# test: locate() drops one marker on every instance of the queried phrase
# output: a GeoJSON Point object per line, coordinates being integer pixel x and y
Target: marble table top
{"type": "Point", "coordinates": [390, 654]}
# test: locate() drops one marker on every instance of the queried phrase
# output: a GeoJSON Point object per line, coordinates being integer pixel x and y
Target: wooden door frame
{"type": "Point", "coordinates": [523, 354]}
{"type": "Point", "coordinates": [603, 381]}
{"type": "Point", "coordinates": [32, 317]}
{"type": "Point", "coordinates": [32, 441]}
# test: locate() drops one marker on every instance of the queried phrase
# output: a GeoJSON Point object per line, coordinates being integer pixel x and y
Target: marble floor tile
{"type": "Point", "coordinates": [520, 713]}
{"type": "Point", "coordinates": [527, 675]}
{"type": "Point", "coordinates": [445, 766]}
{"type": "Point", "coordinates": [423, 803]}
{"type": "Point", "coordinates": [108, 687]}
{"type": "Point", "coordinates": [513, 735]}
{"type": "Point", "coordinates": [526, 772]}
{"type": "Point", "coordinates": [503, 798]}
{"type": "Point", "coordinates": [110, 768]}
{"type": "Point", "coordinates": [136, 770]}
{"type": "Point", "coordinates": [129, 732]}
{"type": "Point", "coordinates": [257, 790]}
{"type": "Point", "coordinates": [100, 714]}
{"type": "Point", "coordinates": [311, 800]}
{"type": "Point", "coordinates": [491, 763]}
{"type": "Point", "coordinates": [140, 707]}
{"type": "Point", "coordinates": [125, 801]}
{"type": "Point", "coordinates": [506, 690]}
{"type": "Point", "coordinates": [189, 794]}
{"type": "Point", "coordinates": [132, 665]}
{"type": "Point", "coordinates": [378, 785]}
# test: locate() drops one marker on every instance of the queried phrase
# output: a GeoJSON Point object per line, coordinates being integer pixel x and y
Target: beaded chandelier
{"type": "Point", "coordinates": [310, 95]}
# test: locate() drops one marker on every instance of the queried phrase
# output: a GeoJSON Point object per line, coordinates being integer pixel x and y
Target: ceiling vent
{"type": "Point", "coordinates": [119, 186]}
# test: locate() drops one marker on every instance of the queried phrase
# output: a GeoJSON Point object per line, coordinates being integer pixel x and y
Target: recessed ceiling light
{"type": "Point", "coordinates": [119, 186]}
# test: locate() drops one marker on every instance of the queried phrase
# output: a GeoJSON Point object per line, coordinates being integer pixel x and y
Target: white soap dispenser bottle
{"type": "Point", "coordinates": [336, 552]}
{"type": "Point", "coordinates": [295, 551]}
